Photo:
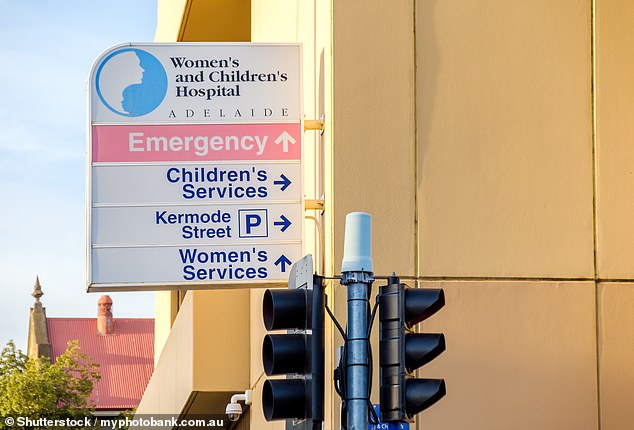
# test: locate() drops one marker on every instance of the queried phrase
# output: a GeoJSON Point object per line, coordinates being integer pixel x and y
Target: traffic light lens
{"type": "Point", "coordinates": [284, 398]}
{"type": "Point", "coordinates": [285, 353]}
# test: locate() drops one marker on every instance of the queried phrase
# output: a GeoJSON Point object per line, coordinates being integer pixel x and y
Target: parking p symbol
{"type": "Point", "coordinates": [253, 223]}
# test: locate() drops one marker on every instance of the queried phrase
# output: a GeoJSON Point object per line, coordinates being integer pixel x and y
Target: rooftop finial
{"type": "Point", "coordinates": [37, 289]}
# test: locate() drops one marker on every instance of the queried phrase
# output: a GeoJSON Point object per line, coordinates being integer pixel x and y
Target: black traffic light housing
{"type": "Point", "coordinates": [299, 353]}
{"type": "Point", "coordinates": [402, 351]}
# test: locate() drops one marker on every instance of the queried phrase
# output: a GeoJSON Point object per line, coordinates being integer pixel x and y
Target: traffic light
{"type": "Point", "coordinates": [401, 351]}
{"type": "Point", "coordinates": [298, 353]}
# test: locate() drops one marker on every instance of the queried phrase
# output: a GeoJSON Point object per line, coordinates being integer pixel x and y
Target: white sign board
{"type": "Point", "coordinates": [195, 165]}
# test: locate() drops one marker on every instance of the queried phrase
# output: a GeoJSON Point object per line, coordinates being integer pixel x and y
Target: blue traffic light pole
{"type": "Point", "coordinates": [357, 276]}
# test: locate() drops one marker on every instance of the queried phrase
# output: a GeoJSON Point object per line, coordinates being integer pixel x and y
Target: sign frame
{"type": "Point", "coordinates": [137, 285]}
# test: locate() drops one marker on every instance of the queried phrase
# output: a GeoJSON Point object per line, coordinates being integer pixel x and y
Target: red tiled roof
{"type": "Point", "coordinates": [126, 358]}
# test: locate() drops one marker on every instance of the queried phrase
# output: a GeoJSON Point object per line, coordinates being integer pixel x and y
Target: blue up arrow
{"type": "Point", "coordinates": [285, 223]}
{"type": "Point", "coordinates": [283, 262]}
{"type": "Point", "coordinates": [284, 182]}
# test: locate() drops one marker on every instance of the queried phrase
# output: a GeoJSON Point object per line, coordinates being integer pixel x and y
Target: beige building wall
{"type": "Point", "coordinates": [504, 142]}
{"type": "Point", "coordinates": [615, 134]}
{"type": "Point", "coordinates": [614, 84]}
{"type": "Point", "coordinates": [477, 163]}
{"type": "Point", "coordinates": [504, 115]}
{"type": "Point", "coordinates": [520, 355]}
{"type": "Point", "coordinates": [510, 181]}
{"type": "Point", "coordinates": [205, 359]}
{"type": "Point", "coordinates": [491, 143]}
{"type": "Point", "coordinates": [616, 355]}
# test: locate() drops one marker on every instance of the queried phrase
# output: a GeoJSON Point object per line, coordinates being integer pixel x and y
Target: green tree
{"type": "Point", "coordinates": [37, 388]}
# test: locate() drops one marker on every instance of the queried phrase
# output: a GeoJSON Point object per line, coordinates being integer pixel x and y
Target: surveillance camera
{"type": "Point", "coordinates": [233, 411]}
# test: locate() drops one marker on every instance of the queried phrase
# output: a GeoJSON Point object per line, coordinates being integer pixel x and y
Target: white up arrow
{"type": "Point", "coordinates": [285, 139]}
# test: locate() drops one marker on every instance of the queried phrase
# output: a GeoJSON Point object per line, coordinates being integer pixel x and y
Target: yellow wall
{"type": "Point", "coordinates": [505, 186]}
{"type": "Point", "coordinates": [615, 132]}
{"type": "Point", "coordinates": [520, 355]}
{"type": "Point", "coordinates": [504, 138]}
{"type": "Point", "coordinates": [614, 161]}
{"type": "Point", "coordinates": [207, 351]}
{"type": "Point", "coordinates": [165, 309]}
{"type": "Point", "coordinates": [203, 21]}
{"type": "Point", "coordinates": [509, 183]}
{"type": "Point", "coordinates": [172, 381]}
{"type": "Point", "coordinates": [492, 143]}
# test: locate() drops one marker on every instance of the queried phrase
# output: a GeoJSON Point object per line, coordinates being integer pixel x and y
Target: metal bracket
{"type": "Point", "coordinates": [357, 277]}
{"type": "Point", "coordinates": [315, 124]}
{"type": "Point", "coordinates": [316, 205]}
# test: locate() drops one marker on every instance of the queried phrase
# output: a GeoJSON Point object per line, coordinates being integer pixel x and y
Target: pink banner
{"type": "Point", "coordinates": [196, 142]}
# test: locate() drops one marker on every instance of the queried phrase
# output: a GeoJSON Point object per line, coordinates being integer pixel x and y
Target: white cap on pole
{"type": "Point", "coordinates": [357, 243]}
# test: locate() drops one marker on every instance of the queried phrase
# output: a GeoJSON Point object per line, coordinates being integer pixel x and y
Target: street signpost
{"type": "Point", "coordinates": [195, 166]}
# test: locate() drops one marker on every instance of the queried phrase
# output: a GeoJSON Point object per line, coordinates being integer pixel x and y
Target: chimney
{"type": "Point", "coordinates": [105, 324]}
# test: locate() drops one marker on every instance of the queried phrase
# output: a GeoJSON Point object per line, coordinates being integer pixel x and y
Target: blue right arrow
{"type": "Point", "coordinates": [285, 182]}
{"type": "Point", "coordinates": [285, 223]}
{"type": "Point", "coordinates": [283, 262]}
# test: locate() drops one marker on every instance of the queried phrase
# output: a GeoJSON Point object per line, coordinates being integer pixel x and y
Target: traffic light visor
{"type": "Point", "coordinates": [286, 309]}
{"type": "Point", "coordinates": [421, 394]}
{"type": "Point", "coordinates": [421, 303]}
{"type": "Point", "coordinates": [284, 398]}
{"type": "Point", "coordinates": [285, 353]}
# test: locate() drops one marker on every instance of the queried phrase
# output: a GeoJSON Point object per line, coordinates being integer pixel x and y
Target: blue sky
{"type": "Point", "coordinates": [46, 51]}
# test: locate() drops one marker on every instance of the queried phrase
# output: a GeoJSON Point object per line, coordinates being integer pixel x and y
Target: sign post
{"type": "Point", "coordinates": [195, 166]}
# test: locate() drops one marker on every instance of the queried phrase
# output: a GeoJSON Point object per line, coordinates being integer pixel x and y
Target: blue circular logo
{"type": "Point", "coordinates": [131, 82]}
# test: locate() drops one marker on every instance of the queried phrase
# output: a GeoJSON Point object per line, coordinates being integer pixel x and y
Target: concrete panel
{"type": "Point", "coordinates": [616, 355]}
{"type": "Point", "coordinates": [221, 340]}
{"type": "Point", "coordinates": [520, 355]}
{"type": "Point", "coordinates": [203, 21]}
{"type": "Point", "coordinates": [504, 128]}
{"type": "Point", "coordinates": [615, 138]}
{"type": "Point", "coordinates": [216, 21]}
{"type": "Point", "coordinates": [207, 350]}
{"type": "Point", "coordinates": [171, 384]}
{"type": "Point", "coordinates": [165, 311]}
{"type": "Point", "coordinates": [373, 140]}
{"type": "Point", "coordinates": [277, 21]}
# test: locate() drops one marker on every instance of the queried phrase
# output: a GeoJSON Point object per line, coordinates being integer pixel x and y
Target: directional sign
{"type": "Point", "coordinates": [115, 184]}
{"type": "Point", "coordinates": [196, 224]}
{"type": "Point", "coordinates": [214, 264]}
{"type": "Point", "coordinates": [195, 165]}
